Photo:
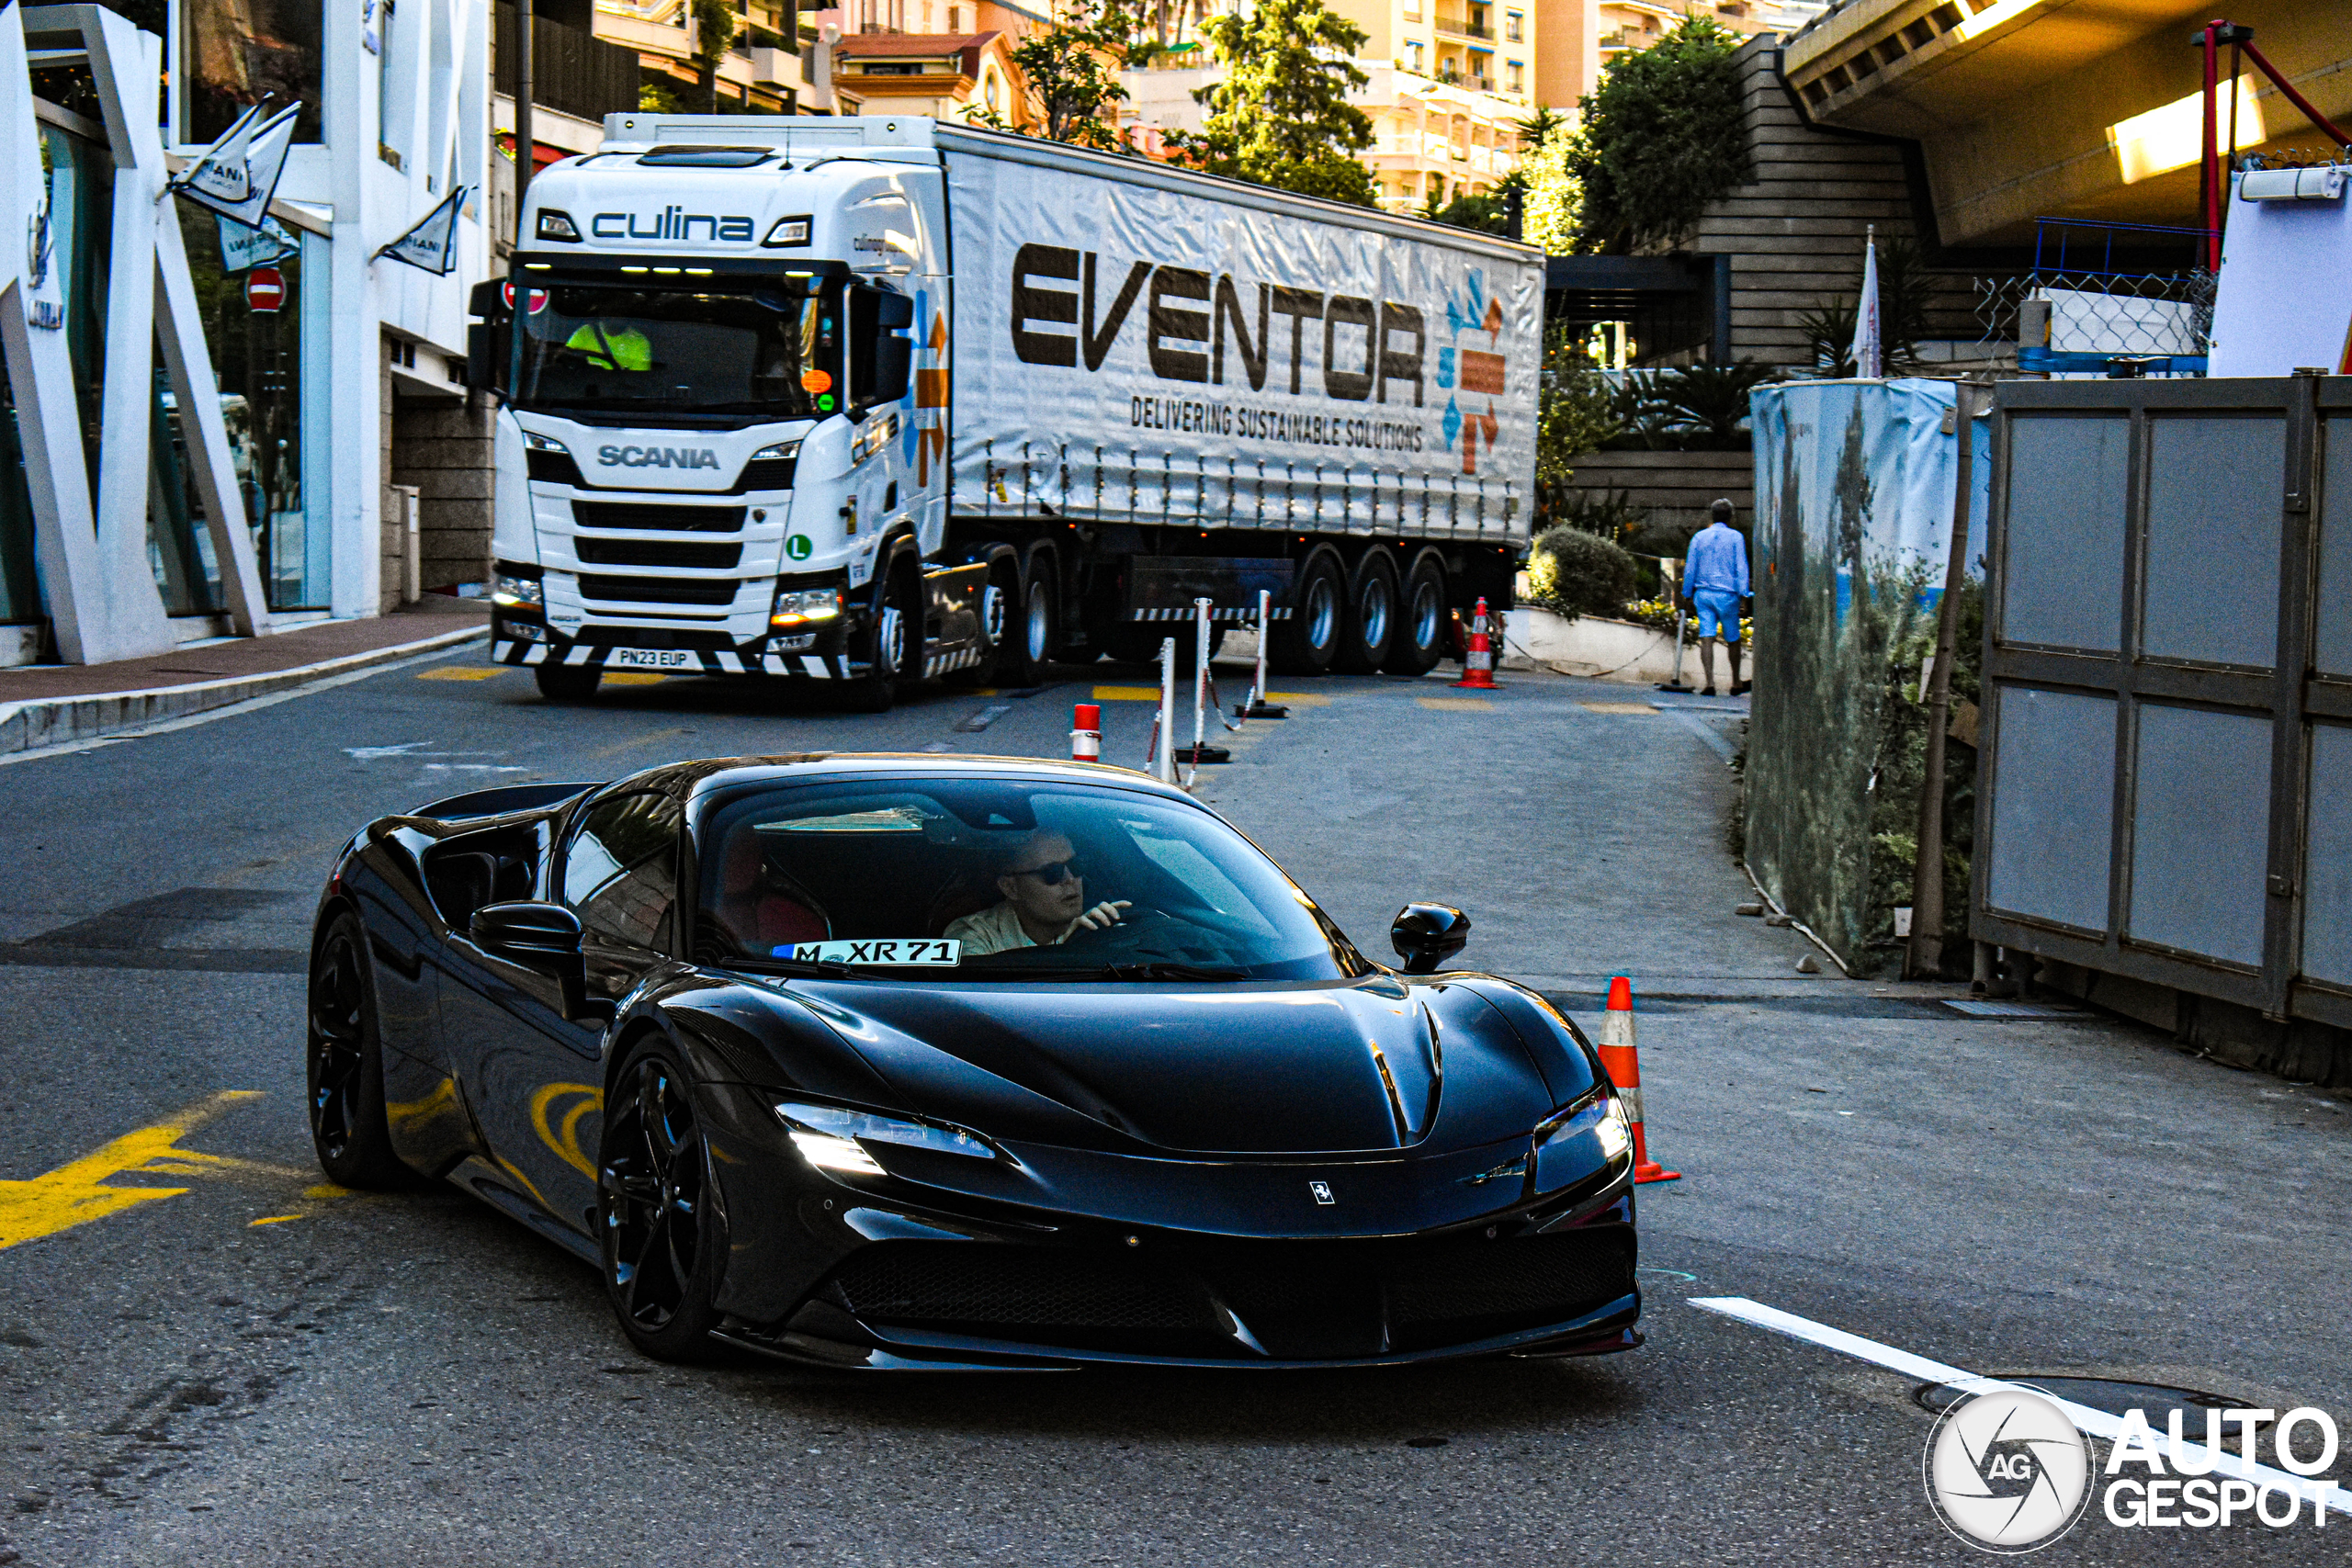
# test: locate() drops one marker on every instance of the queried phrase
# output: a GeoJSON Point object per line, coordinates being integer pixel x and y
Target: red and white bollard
{"type": "Point", "coordinates": [1478, 663]}
{"type": "Point", "coordinates": [1625, 1064]}
{"type": "Point", "coordinates": [1086, 734]}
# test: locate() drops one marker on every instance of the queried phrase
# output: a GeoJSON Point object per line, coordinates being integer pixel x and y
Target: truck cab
{"type": "Point", "coordinates": [711, 456]}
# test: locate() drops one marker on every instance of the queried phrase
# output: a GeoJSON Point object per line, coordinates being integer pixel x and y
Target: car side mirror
{"type": "Point", "coordinates": [542, 937]}
{"type": "Point", "coordinates": [1426, 935]}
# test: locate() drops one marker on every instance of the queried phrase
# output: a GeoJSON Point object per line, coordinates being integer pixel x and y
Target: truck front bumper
{"type": "Point", "coordinates": [807, 656]}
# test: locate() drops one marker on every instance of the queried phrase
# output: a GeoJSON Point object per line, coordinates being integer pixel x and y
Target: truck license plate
{"type": "Point", "coordinates": [652, 659]}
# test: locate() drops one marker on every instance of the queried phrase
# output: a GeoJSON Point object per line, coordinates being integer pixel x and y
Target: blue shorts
{"type": "Point", "coordinates": [1719, 611]}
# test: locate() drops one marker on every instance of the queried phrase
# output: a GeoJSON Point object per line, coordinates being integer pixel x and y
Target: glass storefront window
{"type": "Point", "coordinates": [257, 358]}
{"type": "Point", "coordinates": [239, 51]}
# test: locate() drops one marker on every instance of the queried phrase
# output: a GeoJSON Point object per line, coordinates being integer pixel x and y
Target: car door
{"type": "Point", "coordinates": [541, 1075]}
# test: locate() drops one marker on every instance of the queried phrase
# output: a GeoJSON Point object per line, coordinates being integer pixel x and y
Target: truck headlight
{"type": "Point", "coordinates": [554, 225]}
{"type": "Point", "coordinates": [516, 591]}
{"type": "Point", "coordinates": [801, 606]}
{"type": "Point", "coordinates": [533, 441]}
{"type": "Point", "coordinates": [834, 1139]}
{"type": "Point", "coordinates": [780, 450]}
{"type": "Point", "coordinates": [787, 232]}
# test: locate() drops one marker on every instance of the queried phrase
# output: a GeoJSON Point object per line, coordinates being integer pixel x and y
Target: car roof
{"type": "Point", "coordinates": [685, 780]}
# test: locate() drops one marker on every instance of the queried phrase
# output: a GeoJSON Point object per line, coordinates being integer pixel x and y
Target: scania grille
{"type": "Point", "coordinates": [655, 590]}
{"type": "Point", "coordinates": [1299, 1301]}
{"type": "Point", "coordinates": [654, 552]}
{"type": "Point", "coordinates": [650, 515]}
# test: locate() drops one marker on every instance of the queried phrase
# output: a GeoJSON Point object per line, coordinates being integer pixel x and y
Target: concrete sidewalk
{"type": "Point", "coordinates": [53, 705]}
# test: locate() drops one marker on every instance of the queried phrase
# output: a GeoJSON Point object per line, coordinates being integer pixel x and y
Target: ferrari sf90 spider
{"type": "Point", "coordinates": [924, 1062]}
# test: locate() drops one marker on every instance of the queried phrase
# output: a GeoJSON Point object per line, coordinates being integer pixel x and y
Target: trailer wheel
{"type": "Point", "coordinates": [1419, 641]}
{"type": "Point", "coordinates": [1031, 627]}
{"type": "Point", "coordinates": [1306, 642]}
{"type": "Point", "coordinates": [1368, 630]}
{"type": "Point", "coordinates": [568, 682]}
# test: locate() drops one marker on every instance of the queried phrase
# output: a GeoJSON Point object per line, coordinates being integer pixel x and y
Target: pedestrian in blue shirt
{"type": "Point", "coordinates": [1714, 584]}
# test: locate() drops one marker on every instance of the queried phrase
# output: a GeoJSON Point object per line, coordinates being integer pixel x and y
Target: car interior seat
{"type": "Point", "coordinates": [760, 907]}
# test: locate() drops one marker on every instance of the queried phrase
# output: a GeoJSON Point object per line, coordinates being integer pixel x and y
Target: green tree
{"type": "Point", "coordinates": [1663, 136]}
{"type": "Point", "coordinates": [1073, 68]}
{"type": "Point", "coordinates": [1279, 114]}
{"type": "Point", "coordinates": [715, 34]}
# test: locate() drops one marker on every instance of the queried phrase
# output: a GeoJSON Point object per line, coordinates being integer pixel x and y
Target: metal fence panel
{"type": "Point", "coordinates": [2053, 817]}
{"type": "Point", "coordinates": [2331, 631]}
{"type": "Point", "coordinates": [2212, 571]}
{"type": "Point", "coordinates": [2064, 548]}
{"type": "Point", "coordinates": [2327, 859]}
{"type": "Point", "coordinates": [2200, 831]}
{"type": "Point", "coordinates": [2220, 652]}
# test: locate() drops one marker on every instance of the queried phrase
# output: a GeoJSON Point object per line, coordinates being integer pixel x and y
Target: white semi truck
{"type": "Point", "coordinates": [870, 400]}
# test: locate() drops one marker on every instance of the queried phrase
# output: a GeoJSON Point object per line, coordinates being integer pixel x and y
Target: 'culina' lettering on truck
{"type": "Point", "coordinates": [1367, 347]}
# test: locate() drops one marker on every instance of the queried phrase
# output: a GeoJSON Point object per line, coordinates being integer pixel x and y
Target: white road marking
{"type": "Point", "coordinates": [2095, 1423]}
{"type": "Point", "coordinates": [369, 753]}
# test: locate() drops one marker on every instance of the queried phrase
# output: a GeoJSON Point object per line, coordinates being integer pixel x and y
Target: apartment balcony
{"type": "Point", "coordinates": [1455, 27]}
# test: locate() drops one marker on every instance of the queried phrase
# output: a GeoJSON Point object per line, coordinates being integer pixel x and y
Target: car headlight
{"type": "Point", "coordinates": [534, 441]}
{"type": "Point", "coordinates": [1561, 1154]}
{"type": "Point", "coordinates": [832, 1139]}
{"type": "Point", "coordinates": [505, 589]}
{"type": "Point", "coordinates": [784, 449]}
{"type": "Point", "coordinates": [800, 607]}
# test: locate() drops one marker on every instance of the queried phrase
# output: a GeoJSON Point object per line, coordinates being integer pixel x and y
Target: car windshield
{"type": "Point", "coordinates": [990, 879]}
{"type": "Point", "coordinates": [768, 351]}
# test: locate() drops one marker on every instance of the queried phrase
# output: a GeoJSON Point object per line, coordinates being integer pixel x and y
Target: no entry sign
{"type": "Point", "coordinates": [265, 289]}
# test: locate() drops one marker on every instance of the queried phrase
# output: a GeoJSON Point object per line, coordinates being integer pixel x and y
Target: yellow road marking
{"type": "Point", "coordinates": [74, 1194]}
{"type": "Point", "coordinates": [274, 1220]}
{"type": "Point", "coordinates": [1296, 700]}
{"type": "Point", "coordinates": [461, 672]}
{"type": "Point", "coordinates": [326, 1190]}
{"type": "Point", "coordinates": [633, 678]}
{"type": "Point", "coordinates": [1456, 705]}
{"type": "Point", "coordinates": [648, 739]}
{"type": "Point", "coordinates": [1126, 693]}
{"type": "Point", "coordinates": [1618, 707]}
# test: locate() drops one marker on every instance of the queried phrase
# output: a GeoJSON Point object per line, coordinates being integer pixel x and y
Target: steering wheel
{"type": "Point", "coordinates": [1135, 926]}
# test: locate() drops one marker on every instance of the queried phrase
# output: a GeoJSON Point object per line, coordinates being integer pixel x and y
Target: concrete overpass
{"type": "Point", "coordinates": [2074, 109]}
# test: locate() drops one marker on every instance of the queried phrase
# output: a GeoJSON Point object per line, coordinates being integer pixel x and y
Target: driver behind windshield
{"type": "Point", "coordinates": [1044, 903]}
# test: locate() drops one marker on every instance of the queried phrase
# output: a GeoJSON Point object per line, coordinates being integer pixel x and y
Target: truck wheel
{"type": "Point", "coordinates": [1368, 630]}
{"type": "Point", "coordinates": [998, 599]}
{"type": "Point", "coordinates": [896, 623]}
{"type": "Point", "coordinates": [1419, 641]}
{"type": "Point", "coordinates": [1306, 642]}
{"type": "Point", "coordinates": [1031, 623]}
{"type": "Point", "coordinates": [568, 682]}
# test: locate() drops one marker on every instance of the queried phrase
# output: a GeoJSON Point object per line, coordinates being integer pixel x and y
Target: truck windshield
{"type": "Point", "coordinates": [763, 351]}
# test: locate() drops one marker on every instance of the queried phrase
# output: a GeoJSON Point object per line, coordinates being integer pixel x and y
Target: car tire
{"type": "Point", "coordinates": [568, 682]}
{"type": "Point", "coordinates": [658, 1227]}
{"type": "Point", "coordinates": [1420, 642]}
{"type": "Point", "coordinates": [346, 1063]}
{"type": "Point", "coordinates": [1307, 640]}
{"type": "Point", "coordinates": [896, 623]}
{"type": "Point", "coordinates": [1368, 629]}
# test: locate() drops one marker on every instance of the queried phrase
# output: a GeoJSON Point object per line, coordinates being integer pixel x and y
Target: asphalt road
{"type": "Point", "coordinates": [241, 1366]}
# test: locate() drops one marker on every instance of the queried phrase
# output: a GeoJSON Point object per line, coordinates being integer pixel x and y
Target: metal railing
{"type": "Point", "coordinates": [573, 72]}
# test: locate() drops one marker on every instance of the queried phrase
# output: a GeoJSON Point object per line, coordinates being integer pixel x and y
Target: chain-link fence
{"type": "Point", "coordinates": [2116, 315]}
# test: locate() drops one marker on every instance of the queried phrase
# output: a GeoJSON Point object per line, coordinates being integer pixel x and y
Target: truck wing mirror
{"type": "Point", "coordinates": [892, 311]}
{"type": "Point", "coordinates": [893, 360]}
{"type": "Point", "coordinates": [487, 351]}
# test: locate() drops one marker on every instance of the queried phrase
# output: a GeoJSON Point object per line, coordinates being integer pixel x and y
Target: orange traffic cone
{"type": "Point", "coordinates": [1478, 663]}
{"type": "Point", "coordinates": [1625, 1064]}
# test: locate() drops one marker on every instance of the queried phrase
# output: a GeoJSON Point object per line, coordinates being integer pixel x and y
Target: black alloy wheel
{"type": "Point", "coordinates": [1307, 641]}
{"type": "Point", "coordinates": [346, 1063]}
{"type": "Point", "coordinates": [1368, 632]}
{"type": "Point", "coordinates": [657, 1222]}
{"type": "Point", "coordinates": [1419, 641]}
{"type": "Point", "coordinates": [568, 682]}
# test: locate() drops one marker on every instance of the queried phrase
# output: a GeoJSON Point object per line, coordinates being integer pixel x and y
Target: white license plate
{"type": "Point", "coordinates": [652, 659]}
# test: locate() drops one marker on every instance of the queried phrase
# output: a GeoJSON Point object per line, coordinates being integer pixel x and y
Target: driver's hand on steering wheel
{"type": "Point", "coordinates": [1101, 917]}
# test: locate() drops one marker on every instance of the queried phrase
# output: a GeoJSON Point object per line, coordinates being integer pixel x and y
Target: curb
{"type": "Point", "coordinates": [43, 722]}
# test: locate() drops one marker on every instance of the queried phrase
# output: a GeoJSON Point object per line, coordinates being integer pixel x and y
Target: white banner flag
{"type": "Point", "coordinates": [1868, 352]}
{"type": "Point", "coordinates": [432, 242]}
{"type": "Point", "coordinates": [237, 176]}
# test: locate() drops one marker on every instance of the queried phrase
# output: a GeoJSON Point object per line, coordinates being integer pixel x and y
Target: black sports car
{"type": "Point", "coordinates": [927, 1062]}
